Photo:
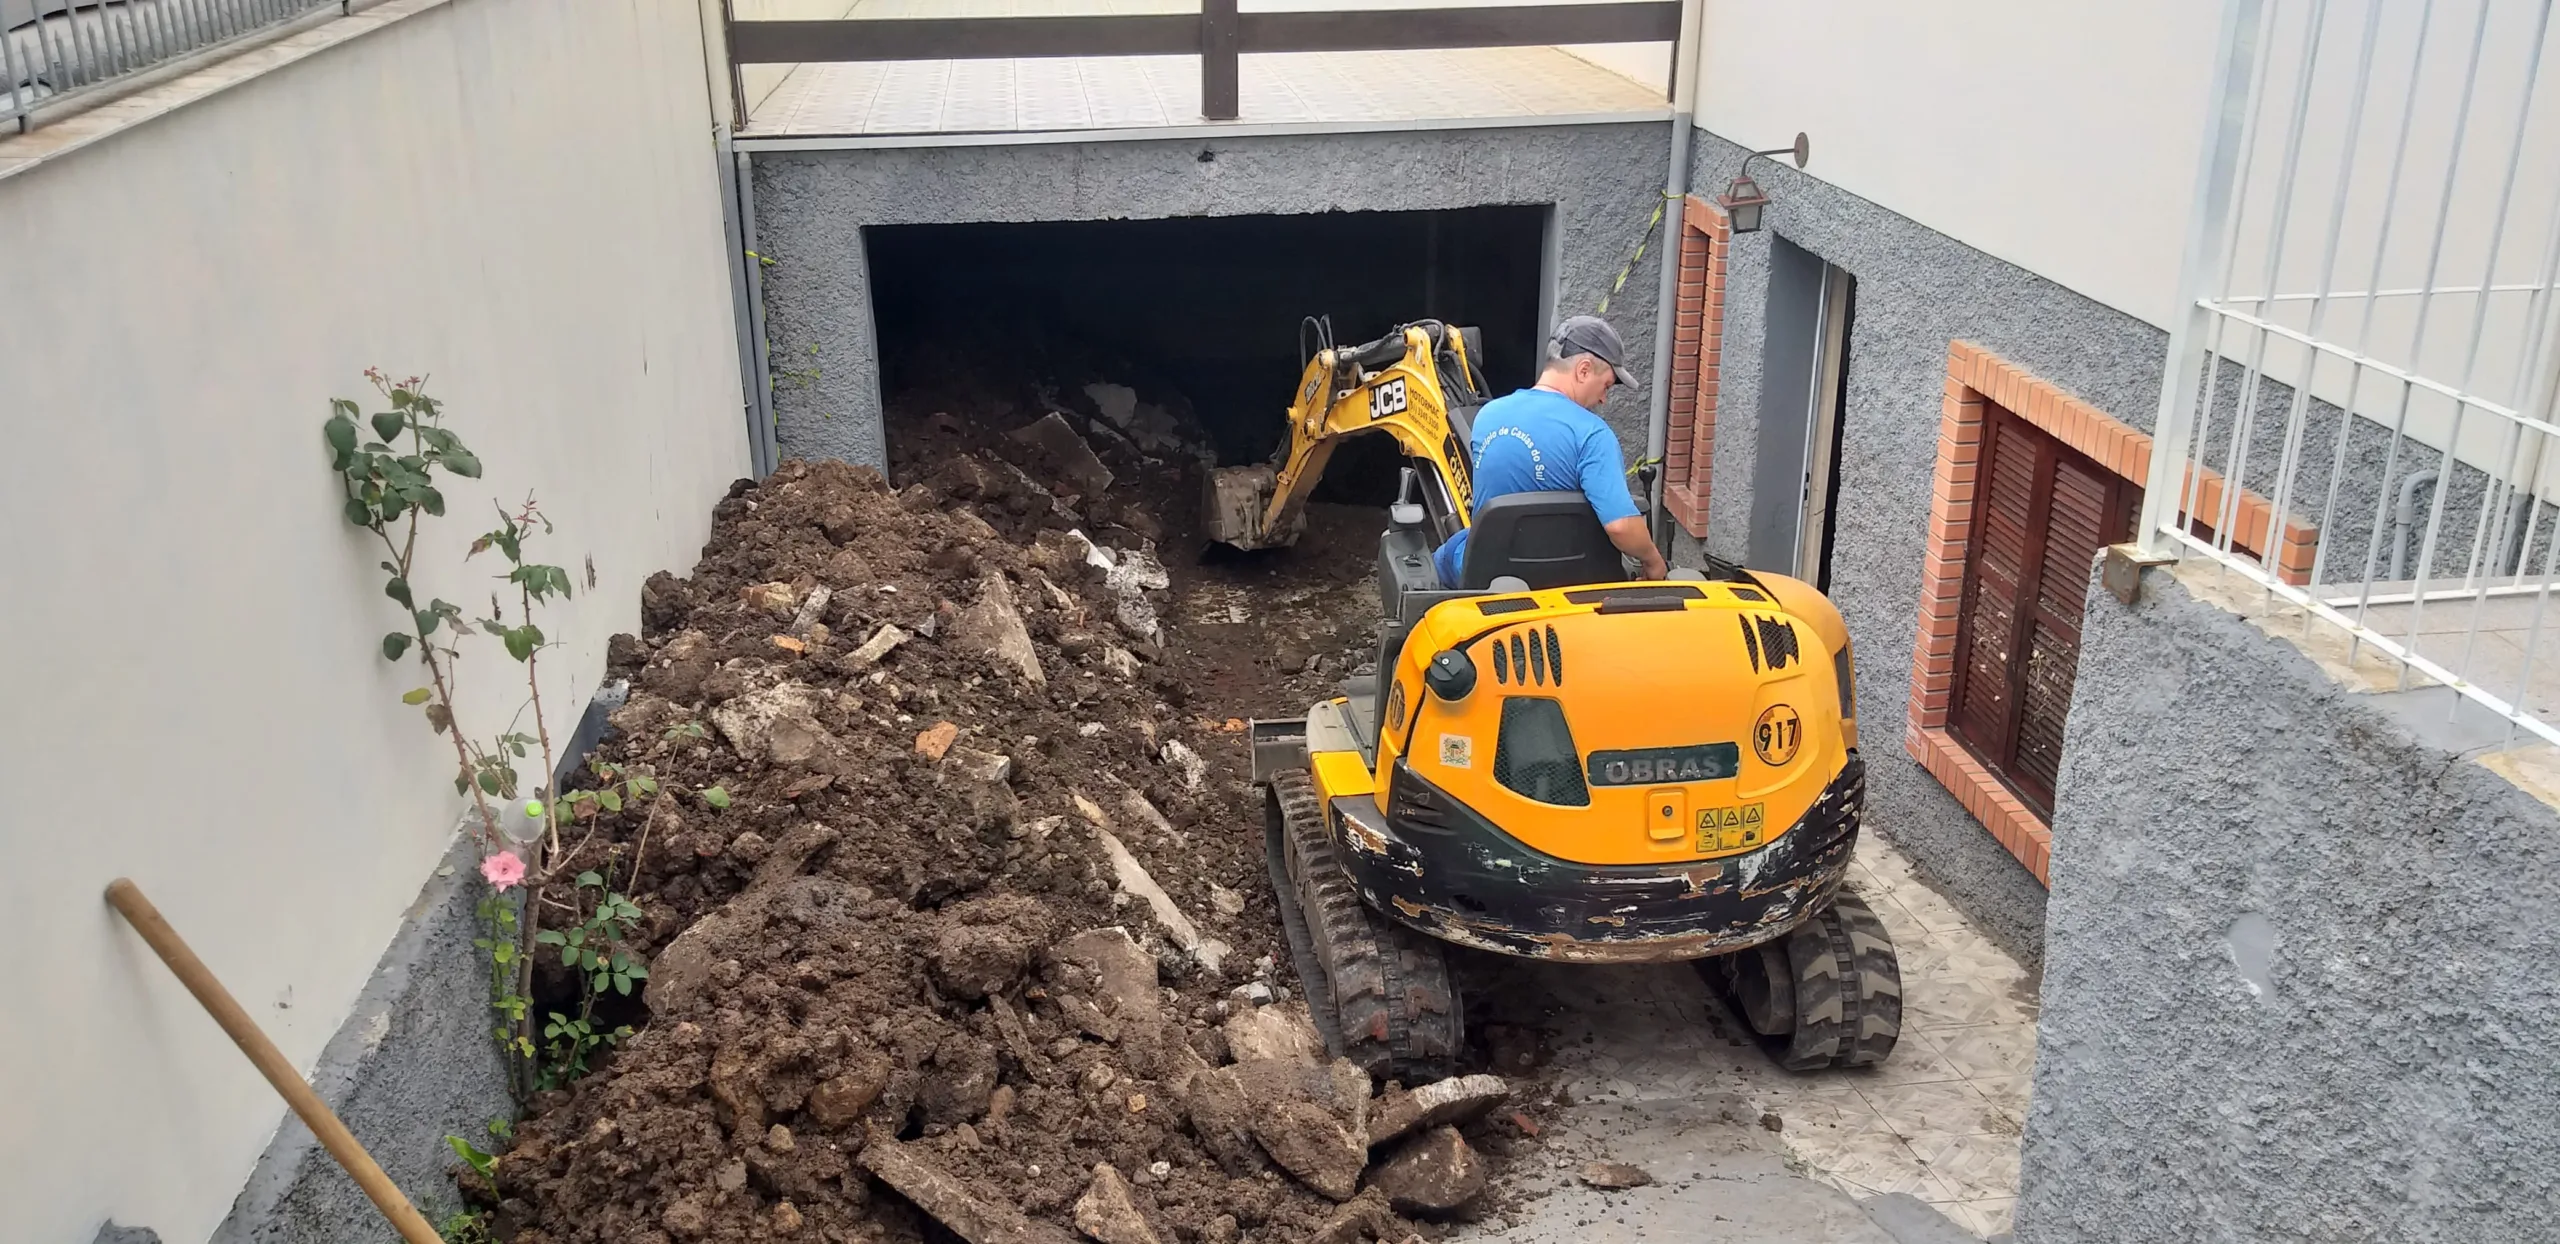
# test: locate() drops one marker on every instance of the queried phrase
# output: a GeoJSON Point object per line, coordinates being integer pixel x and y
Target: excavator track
{"type": "Point", "coordinates": [1828, 994]}
{"type": "Point", "coordinates": [1381, 996]}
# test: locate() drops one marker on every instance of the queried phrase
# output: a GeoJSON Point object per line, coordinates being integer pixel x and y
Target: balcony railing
{"type": "Point", "coordinates": [2368, 334]}
{"type": "Point", "coordinates": [54, 50]}
{"type": "Point", "coordinates": [1218, 34]}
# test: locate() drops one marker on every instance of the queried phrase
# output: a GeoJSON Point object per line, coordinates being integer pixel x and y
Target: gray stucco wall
{"type": "Point", "coordinates": [1917, 290]}
{"type": "Point", "coordinates": [811, 208]}
{"type": "Point", "coordinates": [2298, 981]}
{"type": "Point", "coordinates": [414, 1061]}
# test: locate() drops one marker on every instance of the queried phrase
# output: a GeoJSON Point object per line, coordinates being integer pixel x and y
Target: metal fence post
{"type": "Point", "coordinates": [2208, 222]}
{"type": "Point", "coordinates": [1220, 39]}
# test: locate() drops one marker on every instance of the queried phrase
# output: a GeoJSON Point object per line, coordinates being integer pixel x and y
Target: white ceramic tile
{"type": "Point", "coordinates": [1947, 1106]}
{"type": "Point", "coordinates": [1986, 1218]}
{"type": "Point", "coordinates": [1990, 1050]}
{"type": "Point", "coordinates": [1973, 1166]}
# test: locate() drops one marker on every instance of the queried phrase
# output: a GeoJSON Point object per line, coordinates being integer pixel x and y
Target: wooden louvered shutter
{"type": "Point", "coordinates": [2041, 513]}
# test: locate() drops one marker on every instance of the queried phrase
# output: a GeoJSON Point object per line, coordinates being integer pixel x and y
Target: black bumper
{"type": "Point", "coordinates": [1437, 866]}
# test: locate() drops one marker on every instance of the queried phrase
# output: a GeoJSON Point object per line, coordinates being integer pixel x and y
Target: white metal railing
{"type": "Point", "coordinates": [2369, 314]}
{"type": "Point", "coordinates": [53, 49]}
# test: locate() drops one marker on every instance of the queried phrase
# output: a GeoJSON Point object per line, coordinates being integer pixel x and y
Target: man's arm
{"type": "Point", "coordinates": [1632, 539]}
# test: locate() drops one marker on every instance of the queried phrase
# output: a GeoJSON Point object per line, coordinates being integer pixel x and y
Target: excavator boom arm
{"type": "Point", "coordinates": [1418, 385]}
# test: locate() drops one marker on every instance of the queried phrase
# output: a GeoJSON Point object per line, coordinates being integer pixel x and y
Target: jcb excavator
{"type": "Point", "coordinates": [1554, 761]}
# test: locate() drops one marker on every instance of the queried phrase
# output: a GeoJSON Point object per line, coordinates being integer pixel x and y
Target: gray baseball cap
{"type": "Point", "coordinates": [1589, 334]}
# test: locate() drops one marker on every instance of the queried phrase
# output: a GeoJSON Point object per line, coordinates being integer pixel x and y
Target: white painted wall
{"type": "Point", "coordinates": [2060, 135]}
{"type": "Point", "coordinates": [513, 195]}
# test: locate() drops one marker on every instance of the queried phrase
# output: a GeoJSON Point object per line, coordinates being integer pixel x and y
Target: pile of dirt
{"type": "Point", "coordinates": [979, 945]}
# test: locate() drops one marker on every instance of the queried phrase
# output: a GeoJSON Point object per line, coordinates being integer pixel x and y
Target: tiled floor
{"type": "Point", "coordinates": [1664, 1077]}
{"type": "Point", "coordinates": [1142, 92]}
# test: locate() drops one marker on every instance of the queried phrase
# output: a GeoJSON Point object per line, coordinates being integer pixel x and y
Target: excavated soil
{"type": "Point", "coordinates": [877, 941]}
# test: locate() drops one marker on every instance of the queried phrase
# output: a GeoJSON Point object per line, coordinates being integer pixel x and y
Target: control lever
{"type": "Point", "coordinates": [1407, 512]}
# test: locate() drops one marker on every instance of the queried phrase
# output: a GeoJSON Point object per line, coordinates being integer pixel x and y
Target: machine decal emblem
{"type": "Point", "coordinates": [1724, 829]}
{"type": "Point", "coordinates": [1646, 766]}
{"type": "Point", "coordinates": [1387, 399]}
{"type": "Point", "coordinates": [1777, 734]}
{"type": "Point", "coordinates": [1457, 751]}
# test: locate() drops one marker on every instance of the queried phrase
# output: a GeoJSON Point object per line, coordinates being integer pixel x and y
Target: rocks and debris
{"type": "Point", "coordinates": [1456, 1101]}
{"type": "Point", "coordinates": [1614, 1176]}
{"type": "Point", "coordinates": [1075, 460]}
{"type": "Point", "coordinates": [951, 1202]}
{"type": "Point", "coordinates": [1433, 1175]}
{"type": "Point", "coordinates": [898, 991]}
{"type": "Point", "coordinates": [1107, 1215]}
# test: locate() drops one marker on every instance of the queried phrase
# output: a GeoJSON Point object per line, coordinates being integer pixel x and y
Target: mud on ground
{"type": "Point", "coordinates": [892, 951]}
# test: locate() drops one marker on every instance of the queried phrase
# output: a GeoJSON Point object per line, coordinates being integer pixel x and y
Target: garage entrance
{"type": "Point", "coordinates": [1202, 314]}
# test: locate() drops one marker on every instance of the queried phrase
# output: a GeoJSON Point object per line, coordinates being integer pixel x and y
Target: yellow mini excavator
{"type": "Point", "coordinates": [1553, 761]}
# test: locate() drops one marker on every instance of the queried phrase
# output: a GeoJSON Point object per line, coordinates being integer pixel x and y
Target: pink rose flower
{"type": "Point", "coordinates": [504, 870]}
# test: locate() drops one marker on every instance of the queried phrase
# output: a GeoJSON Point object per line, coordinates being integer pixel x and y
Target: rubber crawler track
{"type": "Point", "coordinates": [1848, 989]}
{"type": "Point", "coordinates": [1393, 1011]}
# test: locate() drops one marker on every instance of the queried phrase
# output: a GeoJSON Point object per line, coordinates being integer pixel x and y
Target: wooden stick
{"type": "Point", "coordinates": [315, 1113]}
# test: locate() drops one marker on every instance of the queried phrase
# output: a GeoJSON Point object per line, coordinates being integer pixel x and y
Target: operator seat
{"type": "Point", "coordinates": [1544, 539]}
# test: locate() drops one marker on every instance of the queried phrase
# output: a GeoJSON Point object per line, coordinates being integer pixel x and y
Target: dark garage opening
{"type": "Point", "coordinates": [1203, 312]}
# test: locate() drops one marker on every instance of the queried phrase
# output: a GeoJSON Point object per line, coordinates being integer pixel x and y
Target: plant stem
{"type": "Point", "coordinates": [401, 554]}
{"type": "Point", "coordinates": [550, 765]}
{"type": "Point", "coordinates": [526, 927]}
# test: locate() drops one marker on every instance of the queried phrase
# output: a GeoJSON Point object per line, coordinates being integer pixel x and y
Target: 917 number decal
{"type": "Point", "coordinates": [1387, 399]}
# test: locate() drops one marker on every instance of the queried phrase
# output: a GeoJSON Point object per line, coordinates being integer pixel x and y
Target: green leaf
{"type": "Point", "coordinates": [358, 513]}
{"type": "Point", "coordinates": [716, 797]}
{"type": "Point", "coordinates": [427, 620]}
{"type": "Point", "coordinates": [612, 800]}
{"type": "Point", "coordinates": [586, 958]}
{"type": "Point", "coordinates": [622, 985]}
{"type": "Point", "coordinates": [522, 641]}
{"type": "Point", "coordinates": [418, 695]}
{"type": "Point", "coordinates": [341, 432]}
{"type": "Point", "coordinates": [462, 462]}
{"type": "Point", "coordinates": [401, 398]}
{"type": "Point", "coordinates": [465, 1150]}
{"type": "Point", "coordinates": [636, 972]}
{"type": "Point", "coordinates": [590, 877]}
{"type": "Point", "coordinates": [393, 507]}
{"type": "Point", "coordinates": [549, 937]}
{"type": "Point", "coordinates": [568, 959]}
{"type": "Point", "coordinates": [488, 782]}
{"type": "Point", "coordinates": [388, 425]}
{"type": "Point", "coordinates": [431, 501]}
{"type": "Point", "coordinates": [394, 645]}
{"type": "Point", "coordinates": [398, 589]}
{"type": "Point", "coordinates": [645, 785]}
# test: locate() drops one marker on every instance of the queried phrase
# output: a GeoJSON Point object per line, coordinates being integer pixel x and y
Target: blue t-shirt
{"type": "Point", "coordinates": [1539, 440]}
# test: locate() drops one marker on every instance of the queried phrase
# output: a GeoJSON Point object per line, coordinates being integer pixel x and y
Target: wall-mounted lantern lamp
{"type": "Point", "coordinates": [1742, 198]}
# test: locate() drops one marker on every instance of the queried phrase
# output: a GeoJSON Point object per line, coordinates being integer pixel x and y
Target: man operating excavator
{"type": "Point", "coordinates": [1546, 439]}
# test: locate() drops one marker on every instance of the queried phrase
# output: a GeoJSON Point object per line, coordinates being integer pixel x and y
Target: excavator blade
{"type": "Point", "coordinates": [1233, 504]}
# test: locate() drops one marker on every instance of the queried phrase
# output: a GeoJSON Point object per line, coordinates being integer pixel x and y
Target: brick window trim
{"type": "Point", "coordinates": [1977, 379]}
{"type": "Point", "coordinates": [1696, 356]}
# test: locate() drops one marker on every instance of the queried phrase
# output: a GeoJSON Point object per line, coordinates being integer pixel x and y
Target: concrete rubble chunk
{"type": "Point", "coordinates": [973, 962]}
{"type": "Point", "coordinates": [1446, 1103]}
{"type": "Point", "coordinates": [1614, 1176]}
{"type": "Point", "coordinates": [1227, 902]}
{"type": "Point", "coordinates": [796, 740]}
{"type": "Point", "coordinates": [994, 626]}
{"type": "Point", "coordinates": [1186, 762]}
{"type": "Point", "coordinates": [1311, 1119]}
{"type": "Point", "coordinates": [776, 599]}
{"type": "Point", "coordinates": [1107, 1214]}
{"type": "Point", "coordinates": [950, 1201]}
{"type": "Point", "coordinates": [1054, 436]}
{"type": "Point", "coordinates": [811, 609]}
{"type": "Point", "coordinates": [970, 764]}
{"type": "Point", "coordinates": [1136, 573]}
{"type": "Point", "coordinates": [1120, 663]}
{"type": "Point", "coordinates": [1274, 1033]}
{"type": "Point", "coordinates": [878, 646]}
{"type": "Point", "coordinates": [1138, 883]}
{"type": "Point", "coordinates": [1434, 1174]}
{"type": "Point", "coordinates": [747, 721]}
{"type": "Point", "coordinates": [1126, 973]}
{"type": "Point", "coordinates": [1366, 1215]}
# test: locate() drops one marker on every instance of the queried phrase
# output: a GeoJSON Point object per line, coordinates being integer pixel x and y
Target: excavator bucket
{"type": "Point", "coordinates": [1233, 505]}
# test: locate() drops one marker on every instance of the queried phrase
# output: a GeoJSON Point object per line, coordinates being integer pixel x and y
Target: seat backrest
{"type": "Point", "coordinates": [1547, 539]}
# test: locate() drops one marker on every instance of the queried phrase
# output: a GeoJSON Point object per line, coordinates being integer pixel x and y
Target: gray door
{"type": "Point", "coordinates": [1804, 371]}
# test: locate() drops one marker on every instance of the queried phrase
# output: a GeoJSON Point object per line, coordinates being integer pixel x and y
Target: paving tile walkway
{"type": "Point", "coordinates": [1662, 1075]}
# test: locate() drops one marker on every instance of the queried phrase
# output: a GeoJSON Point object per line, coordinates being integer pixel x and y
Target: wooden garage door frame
{"type": "Point", "coordinates": [1977, 381]}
